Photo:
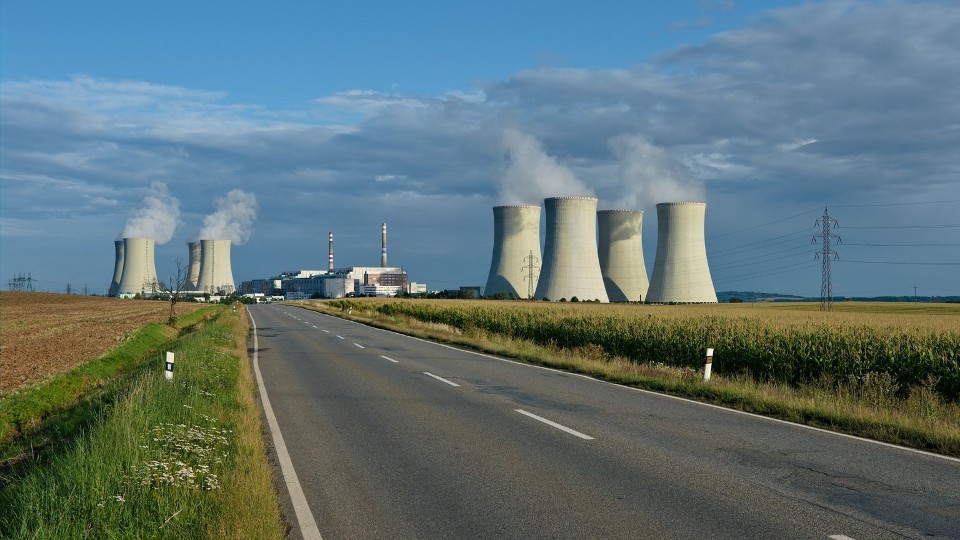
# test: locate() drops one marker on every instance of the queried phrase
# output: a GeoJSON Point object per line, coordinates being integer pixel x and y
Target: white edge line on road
{"type": "Point", "coordinates": [556, 425]}
{"type": "Point", "coordinates": [441, 379]}
{"type": "Point", "coordinates": [652, 393]}
{"type": "Point", "coordinates": [308, 525]}
{"type": "Point", "coordinates": [359, 345]}
{"type": "Point", "coordinates": [390, 359]}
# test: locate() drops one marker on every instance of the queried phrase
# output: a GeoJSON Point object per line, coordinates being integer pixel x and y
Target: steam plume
{"type": "Point", "coordinates": [233, 220]}
{"type": "Point", "coordinates": [157, 219]}
{"type": "Point", "coordinates": [650, 175]}
{"type": "Point", "coordinates": [531, 175]}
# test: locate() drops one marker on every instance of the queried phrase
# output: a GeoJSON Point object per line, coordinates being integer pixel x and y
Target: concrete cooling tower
{"type": "Point", "coordinates": [117, 268]}
{"type": "Point", "coordinates": [216, 276]}
{"type": "Point", "coordinates": [621, 255]}
{"type": "Point", "coordinates": [571, 266]}
{"type": "Point", "coordinates": [680, 271]}
{"type": "Point", "coordinates": [193, 267]}
{"type": "Point", "coordinates": [516, 234]}
{"type": "Point", "coordinates": [139, 274]}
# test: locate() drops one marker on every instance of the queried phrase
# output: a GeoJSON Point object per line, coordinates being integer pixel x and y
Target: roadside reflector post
{"type": "Point", "coordinates": [708, 365]}
{"type": "Point", "coordinates": [168, 369]}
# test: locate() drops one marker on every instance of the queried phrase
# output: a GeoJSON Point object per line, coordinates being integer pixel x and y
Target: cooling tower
{"type": "Point", "coordinates": [571, 266]}
{"type": "Point", "coordinates": [621, 255]}
{"type": "Point", "coordinates": [193, 267]}
{"type": "Point", "coordinates": [117, 268]}
{"type": "Point", "coordinates": [215, 273]}
{"type": "Point", "coordinates": [680, 271]}
{"type": "Point", "coordinates": [516, 235]}
{"type": "Point", "coordinates": [139, 274]}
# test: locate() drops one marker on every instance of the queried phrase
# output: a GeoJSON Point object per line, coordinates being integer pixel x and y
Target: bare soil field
{"type": "Point", "coordinates": [44, 334]}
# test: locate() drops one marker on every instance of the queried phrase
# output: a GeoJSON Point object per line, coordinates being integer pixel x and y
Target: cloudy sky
{"type": "Point", "coordinates": [275, 125]}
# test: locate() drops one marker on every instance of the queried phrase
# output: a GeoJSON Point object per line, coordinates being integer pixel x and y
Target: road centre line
{"type": "Point", "coordinates": [441, 379]}
{"type": "Point", "coordinates": [390, 359]}
{"type": "Point", "coordinates": [341, 337]}
{"type": "Point", "coordinates": [664, 396]}
{"type": "Point", "coordinates": [839, 537]}
{"type": "Point", "coordinates": [359, 345]}
{"type": "Point", "coordinates": [327, 331]}
{"type": "Point", "coordinates": [556, 425]}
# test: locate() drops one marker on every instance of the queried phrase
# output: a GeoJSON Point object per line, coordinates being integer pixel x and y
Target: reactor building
{"type": "Point", "coordinates": [139, 271]}
{"type": "Point", "coordinates": [680, 270]}
{"type": "Point", "coordinates": [515, 265]}
{"type": "Point", "coordinates": [620, 250]}
{"type": "Point", "coordinates": [571, 265]}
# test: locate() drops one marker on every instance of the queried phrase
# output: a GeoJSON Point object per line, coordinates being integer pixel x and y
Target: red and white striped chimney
{"type": "Point", "coordinates": [330, 253]}
{"type": "Point", "coordinates": [383, 247]}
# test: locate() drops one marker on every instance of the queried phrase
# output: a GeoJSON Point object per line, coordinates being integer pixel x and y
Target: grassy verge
{"type": "Point", "coordinates": [34, 408]}
{"type": "Point", "coordinates": [872, 406]}
{"type": "Point", "coordinates": [181, 459]}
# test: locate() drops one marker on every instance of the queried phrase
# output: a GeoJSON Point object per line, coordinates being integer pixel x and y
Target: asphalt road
{"type": "Point", "coordinates": [394, 437]}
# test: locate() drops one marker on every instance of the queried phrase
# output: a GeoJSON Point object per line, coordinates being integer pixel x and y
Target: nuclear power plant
{"type": "Point", "coordinates": [117, 268]}
{"type": "Point", "coordinates": [516, 237]}
{"type": "Point", "coordinates": [620, 249]}
{"type": "Point", "coordinates": [680, 271]}
{"type": "Point", "coordinates": [139, 273]}
{"type": "Point", "coordinates": [571, 265]}
{"type": "Point", "coordinates": [216, 276]}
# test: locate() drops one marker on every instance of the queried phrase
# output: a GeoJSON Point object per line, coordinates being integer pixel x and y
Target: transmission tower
{"type": "Point", "coordinates": [826, 254]}
{"type": "Point", "coordinates": [530, 264]}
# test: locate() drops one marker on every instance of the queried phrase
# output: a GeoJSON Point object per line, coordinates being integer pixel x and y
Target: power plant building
{"type": "Point", "coordinates": [620, 250]}
{"type": "Point", "coordinates": [193, 266]}
{"type": "Point", "coordinates": [571, 265]}
{"type": "Point", "coordinates": [216, 275]}
{"type": "Point", "coordinates": [139, 274]}
{"type": "Point", "coordinates": [680, 271]}
{"type": "Point", "coordinates": [516, 237]}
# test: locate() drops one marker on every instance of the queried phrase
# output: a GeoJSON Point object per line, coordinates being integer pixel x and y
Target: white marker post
{"type": "Point", "coordinates": [708, 365]}
{"type": "Point", "coordinates": [168, 371]}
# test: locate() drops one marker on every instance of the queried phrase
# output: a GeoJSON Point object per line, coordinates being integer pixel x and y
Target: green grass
{"type": "Point", "coordinates": [180, 459]}
{"type": "Point", "coordinates": [868, 403]}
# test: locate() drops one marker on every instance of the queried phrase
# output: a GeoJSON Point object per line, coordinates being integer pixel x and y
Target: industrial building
{"type": "Point", "coordinates": [515, 265]}
{"type": "Point", "coordinates": [571, 264]}
{"type": "Point", "coordinates": [680, 270]}
{"type": "Point", "coordinates": [620, 249]}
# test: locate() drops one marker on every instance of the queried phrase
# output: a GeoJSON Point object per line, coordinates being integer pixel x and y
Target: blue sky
{"type": "Point", "coordinates": [339, 116]}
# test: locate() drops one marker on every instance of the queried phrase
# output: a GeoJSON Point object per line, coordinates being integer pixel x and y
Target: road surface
{"type": "Point", "coordinates": [394, 437]}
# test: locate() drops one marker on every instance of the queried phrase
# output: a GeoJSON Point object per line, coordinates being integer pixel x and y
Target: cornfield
{"type": "Point", "coordinates": [786, 343]}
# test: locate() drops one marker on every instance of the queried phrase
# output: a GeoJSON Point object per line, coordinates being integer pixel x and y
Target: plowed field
{"type": "Point", "coordinates": [45, 334]}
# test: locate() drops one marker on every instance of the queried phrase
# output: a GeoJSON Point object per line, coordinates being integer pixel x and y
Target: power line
{"type": "Point", "coordinates": [894, 204]}
{"type": "Point", "coordinates": [939, 226]}
{"type": "Point", "coordinates": [906, 263]}
{"type": "Point", "coordinates": [902, 245]}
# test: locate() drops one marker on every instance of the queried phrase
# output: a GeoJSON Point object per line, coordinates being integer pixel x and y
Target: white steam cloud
{"type": "Point", "coordinates": [650, 175]}
{"type": "Point", "coordinates": [531, 175]}
{"type": "Point", "coordinates": [157, 219]}
{"type": "Point", "coordinates": [233, 220]}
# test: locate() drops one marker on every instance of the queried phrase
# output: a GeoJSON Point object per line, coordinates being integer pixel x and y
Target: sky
{"type": "Point", "coordinates": [275, 124]}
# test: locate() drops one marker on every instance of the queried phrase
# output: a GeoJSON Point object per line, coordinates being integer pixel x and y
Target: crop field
{"type": "Point", "coordinates": [42, 334]}
{"type": "Point", "coordinates": [791, 343]}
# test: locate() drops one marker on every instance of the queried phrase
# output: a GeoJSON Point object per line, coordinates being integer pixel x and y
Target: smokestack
{"type": "Point", "coordinates": [216, 276]}
{"type": "Point", "coordinates": [330, 253]}
{"type": "Point", "coordinates": [680, 271]}
{"type": "Point", "coordinates": [139, 274]}
{"type": "Point", "coordinates": [193, 266]}
{"type": "Point", "coordinates": [571, 266]}
{"type": "Point", "coordinates": [621, 255]}
{"type": "Point", "coordinates": [383, 247]}
{"type": "Point", "coordinates": [117, 268]}
{"type": "Point", "coordinates": [516, 235]}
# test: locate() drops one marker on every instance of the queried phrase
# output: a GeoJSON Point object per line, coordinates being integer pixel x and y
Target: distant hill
{"type": "Point", "coordinates": [750, 296]}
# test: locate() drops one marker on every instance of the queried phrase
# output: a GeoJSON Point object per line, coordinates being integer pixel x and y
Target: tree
{"type": "Point", "coordinates": [173, 287]}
